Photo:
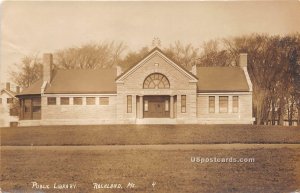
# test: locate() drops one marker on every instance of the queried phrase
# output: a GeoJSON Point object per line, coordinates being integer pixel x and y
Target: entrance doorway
{"type": "Point", "coordinates": [156, 106]}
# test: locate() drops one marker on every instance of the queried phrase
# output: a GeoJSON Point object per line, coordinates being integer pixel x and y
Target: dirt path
{"type": "Point", "coordinates": [156, 147]}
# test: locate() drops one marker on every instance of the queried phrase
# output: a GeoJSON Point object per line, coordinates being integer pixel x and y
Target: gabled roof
{"type": "Point", "coordinates": [33, 89]}
{"type": "Point", "coordinates": [77, 81]}
{"type": "Point", "coordinates": [9, 92]}
{"type": "Point", "coordinates": [101, 81]}
{"type": "Point", "coordinates": [222, 79]}
{"type": "Point", "coordinates": [152, 52]}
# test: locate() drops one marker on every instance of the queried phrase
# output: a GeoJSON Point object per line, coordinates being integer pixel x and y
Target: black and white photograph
{"type": "Point", "coordinates": [150, 96]}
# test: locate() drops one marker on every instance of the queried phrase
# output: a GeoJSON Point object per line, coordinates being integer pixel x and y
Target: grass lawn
{"type": "Point", "coordinates": [274, 170]}
{"type": "Point", "coordinates": [148, 134]}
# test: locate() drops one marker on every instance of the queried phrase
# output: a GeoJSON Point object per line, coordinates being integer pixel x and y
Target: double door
{"type": "Point", "coordinates": [156, 106]}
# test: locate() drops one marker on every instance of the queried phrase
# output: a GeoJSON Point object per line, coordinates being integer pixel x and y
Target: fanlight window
{"type": "Point", "coordinates": [156, 81]}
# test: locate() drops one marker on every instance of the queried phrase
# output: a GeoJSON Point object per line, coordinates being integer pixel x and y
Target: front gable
{"type": "Point", "coordinates": [7, 93]}
{"type": "Point", "coordinates": [157, 61]}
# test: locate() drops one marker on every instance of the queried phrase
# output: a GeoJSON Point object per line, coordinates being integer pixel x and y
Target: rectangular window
{"type": "Point", "coordinates": [77, 100]}
{"type": "Point", "coordinates": [36, 108]}
{"type": "Point", "coordinates": [146, 105]}
{"type": "Point", "coordinates": [235, 104]}
{"type": "Point", "coordinates": [166, 105]}
{"type": "Point", "coordinates": [31, 108]}
{"type": "Point", "coordinates": [26, 109]}
{"type": "Point", "coordinates": [129, 104]}
{"type": "Point", "coordinates": [64, 100]}
{"type": "Point", "coordinates": [104, 100]}
{"type": "Point", "coordinates": [212, 104]}
{"type": "Point", "coordinates": [9, 100]}
{"type": "Point", "coordinates": [223, 103]}
{"type": "Point", "coordinates": [0, 101]}
{"type": "Point", "coordinates": [36, 102]}
{"type": "Point", "coordinates": [90, 100]}
{"type": "Point", "coordinates": [14, 111]}
{"type": "Point", "coordinates": [51, 100]}
{"type": "Point", "coordinates": [183, 103]}
{"type": "Point", "coordinates": [27, 105]}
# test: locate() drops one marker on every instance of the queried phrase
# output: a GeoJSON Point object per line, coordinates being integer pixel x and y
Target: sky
{"type": "Point", "coordinates": [29, 28]}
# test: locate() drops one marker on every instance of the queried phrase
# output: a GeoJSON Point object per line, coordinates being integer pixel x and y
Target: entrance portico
{"type": "Point", "coordinates": [156, 90]}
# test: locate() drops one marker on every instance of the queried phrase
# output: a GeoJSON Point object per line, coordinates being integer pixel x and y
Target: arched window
{"type": "Point", "coordinates": [156, 81]}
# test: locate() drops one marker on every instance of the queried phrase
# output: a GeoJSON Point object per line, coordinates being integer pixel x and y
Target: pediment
{"type": "Point", "coordinates": [156, 52]}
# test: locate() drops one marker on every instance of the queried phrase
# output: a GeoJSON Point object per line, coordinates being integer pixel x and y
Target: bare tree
{"type": "Point", "coordinates": [212, 54]}
{"type": "Point", "coordinates": [87, 56]}
{"type": "Point", "coordinates": [270, 70]}
{"type": "Point", "coordinates": [133, 57]}
{"type": "Point", "coordinates": [28, 71]}
{"type": "Point", "coordinates": [184, 55]}
{"type": "Point", "coordinates": [273, 65]}
{"type": "Point", "coordinates": [90, 56]}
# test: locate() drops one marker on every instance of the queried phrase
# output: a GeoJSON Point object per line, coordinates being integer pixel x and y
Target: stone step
{"type": "Point", "coordinates": [156, 121]}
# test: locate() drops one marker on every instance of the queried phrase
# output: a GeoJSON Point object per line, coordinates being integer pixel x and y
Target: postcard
{"type": "Point", "coordinates": [150, 96]}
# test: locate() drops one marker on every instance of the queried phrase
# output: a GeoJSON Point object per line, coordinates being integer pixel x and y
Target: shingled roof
{"type": "Point", "coordinates": [221, 79]}
{"type": "Point", "coordinates": [33, 89]}
{"type": "Point", "coordinates": [77, 81]}
{"type": "Point", "coordinates": [11, 93]}
{"type": "Point", "coordinates": [101, 81]}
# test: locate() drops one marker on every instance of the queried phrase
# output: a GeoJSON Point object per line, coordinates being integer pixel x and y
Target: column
{"type": "Point", "coordinates": [71, 102]}
{"type": "Point", "coordinates": [22, 108]}
{"type": "Point", "coordinates": [171, 106]}
{"type": "Point", "coordinates": [84, 100]}
{"type": "Point", "coordinates": [58, 101]}
{"type": "Point", "coordinates": [141, 107]}
{"type": "Point", "coordinates": [229, 104]}
{"type": "Point", "coordinates": [217, 107]}
{"type": "Point", "coordinates": [31, 110]}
